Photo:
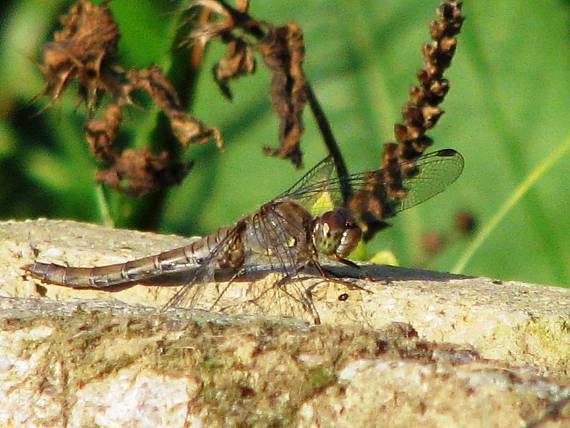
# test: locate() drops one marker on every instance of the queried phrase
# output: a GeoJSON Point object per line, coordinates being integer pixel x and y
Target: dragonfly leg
{"type": "Point", "coordinates": [230, 282]}
{"type": "Point", "coordinates": [310, 305]}
{"type": "Point", "coordinates": [331, 276]}
{"type": "Point", "coordinates": [347, 263]}
{"type": "Point", "coordinates": [353, 265]}
{"type": "Point", "coordinates": [233, 278]}
{"type": "Point", "coordinates": [306, 298]}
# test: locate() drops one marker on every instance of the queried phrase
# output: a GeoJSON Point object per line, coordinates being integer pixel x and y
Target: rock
{"type": "Point", "coordinates": [417, 347]}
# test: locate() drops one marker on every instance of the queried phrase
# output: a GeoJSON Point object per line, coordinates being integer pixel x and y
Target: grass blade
{"type": "Point", "coordinates": [513, 199]}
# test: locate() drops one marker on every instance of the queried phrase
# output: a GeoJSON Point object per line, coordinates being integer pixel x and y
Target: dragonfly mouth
{"type": "Point", "coordinates": [349, 241]}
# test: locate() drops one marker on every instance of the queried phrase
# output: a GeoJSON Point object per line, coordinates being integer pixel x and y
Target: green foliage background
{"type": "Point", "coordinates": [508, 108]}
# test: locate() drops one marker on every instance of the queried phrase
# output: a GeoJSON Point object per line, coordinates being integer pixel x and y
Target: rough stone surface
{"type": "Point", "coordinates": [418, 347]}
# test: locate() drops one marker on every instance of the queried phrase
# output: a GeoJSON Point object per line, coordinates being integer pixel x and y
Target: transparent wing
{"type": "Point", "coordinates": [318, 178]}
{"type": "Point", "coordinates": [277, 232]}
{"type": "Point", "coordinates": [188, 296]}
{"type": "Point", "coordinates": [435, 172]}
{"type": "Point", "coordinates": [273, 231]}
{"type": "Point", "coordinates": [322, 171]}
{"type": "Point", "coordinates": [432, 174]}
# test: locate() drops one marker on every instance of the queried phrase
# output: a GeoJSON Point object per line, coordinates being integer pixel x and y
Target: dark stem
{"type": "Point", "coordinates": [330, 142]}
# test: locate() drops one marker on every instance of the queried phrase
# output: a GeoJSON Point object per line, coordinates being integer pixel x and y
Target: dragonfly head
{"type": "Point", "coordinates": [335, 233]}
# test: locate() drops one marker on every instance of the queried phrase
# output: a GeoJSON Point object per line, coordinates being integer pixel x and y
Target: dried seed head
{"type": "Point", "coordinates": [422, 112]}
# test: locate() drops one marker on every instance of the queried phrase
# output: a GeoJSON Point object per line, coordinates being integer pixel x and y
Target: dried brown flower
{"type": "Point", "coordinates": [137, 171]}
{"type": "Point", "coordinates": [84, 50]}
{"type": "Point", "coordinates": [186, 128]}
{"type": "Point", "coordinates": [101, 133]}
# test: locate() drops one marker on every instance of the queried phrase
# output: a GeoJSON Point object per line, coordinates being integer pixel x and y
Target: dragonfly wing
{"type": "Point", "coordinates": [188, 296]}
{"type": "Point", "coordinates": [321, 171]}
{"type": "Point", "coordinates": [433, 173]}
{"type": "Point", "coordinates": [427, 176]}
{"type": "Point", "coordinates": [318, 179]}
{"type": "Point", "coordinates": [278, 232]}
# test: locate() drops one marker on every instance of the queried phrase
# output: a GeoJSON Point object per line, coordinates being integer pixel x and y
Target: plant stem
{"type": "Point", "coordinates": [103, 206]}
{"type": "Point", "coordinates": [330, 141]}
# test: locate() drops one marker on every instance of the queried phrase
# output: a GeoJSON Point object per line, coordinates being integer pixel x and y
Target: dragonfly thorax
{"type": "Point", "coordinates": [335, 233]}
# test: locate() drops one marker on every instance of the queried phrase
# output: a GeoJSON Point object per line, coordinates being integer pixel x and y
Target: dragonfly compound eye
{"type": "Point", "coordinates": [335, 233]}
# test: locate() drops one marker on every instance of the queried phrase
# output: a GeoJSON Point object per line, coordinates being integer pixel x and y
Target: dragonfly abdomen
{"type": "Point", "coordinates": [78, 277]}
{"type": "Point", "coordinates": [183, 258]}
{"type": "Point", "coordinates": [179, 259]}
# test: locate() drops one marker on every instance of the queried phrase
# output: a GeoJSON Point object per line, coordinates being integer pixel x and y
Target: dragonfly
{"type": "Point", "coordinates": [287, 235]}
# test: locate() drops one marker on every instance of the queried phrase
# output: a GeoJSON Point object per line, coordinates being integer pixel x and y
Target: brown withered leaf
{"type": "Point", "coordinates": [189, 130]}
{"type": "Point", "coordinates": [137, 171]}
{"type": "Point", "coordinates": [283, 52]}
{"type": "Point", "coordinates": [101, 133]}
{"type": "Point", "coordinates": [186, 128]}
{"type": "Point", "coordinates": [152, 80]}
{"type": "Point", "coordinates": [237, 61]}
{"type": "Point", "coordinates": [82, 50]}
